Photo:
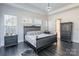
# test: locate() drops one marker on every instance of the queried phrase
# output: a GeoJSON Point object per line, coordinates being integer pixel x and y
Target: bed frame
{"type": "Point", "coordinates": [41, 43]}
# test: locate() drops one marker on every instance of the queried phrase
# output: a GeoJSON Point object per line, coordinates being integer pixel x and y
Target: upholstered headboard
{"type": "Point", "coordinates": [31, 28]}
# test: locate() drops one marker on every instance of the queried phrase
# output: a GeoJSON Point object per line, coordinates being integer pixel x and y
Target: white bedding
{"type": "Point", "coordinates": [32, 38]}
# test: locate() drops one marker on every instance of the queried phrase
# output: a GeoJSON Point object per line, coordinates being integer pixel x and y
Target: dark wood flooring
{"type": "Point", "coordinates": [62, 49]}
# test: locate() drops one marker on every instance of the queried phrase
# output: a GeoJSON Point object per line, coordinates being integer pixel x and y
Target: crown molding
{"type": "Point", "coordinates": [31, 9]}
{"type": "Point", "coordinates": [64, 8]}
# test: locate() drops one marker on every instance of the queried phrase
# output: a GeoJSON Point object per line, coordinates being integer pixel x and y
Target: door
{"type": "Point", "coordinates": [66, 31]}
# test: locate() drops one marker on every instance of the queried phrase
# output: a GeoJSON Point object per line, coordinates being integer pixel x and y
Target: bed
{"type": "Point", "coordinates": [37, 39]}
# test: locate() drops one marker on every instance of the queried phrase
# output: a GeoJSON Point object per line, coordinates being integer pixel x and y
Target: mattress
{"type": "Point", "coordinates": [32, 38]}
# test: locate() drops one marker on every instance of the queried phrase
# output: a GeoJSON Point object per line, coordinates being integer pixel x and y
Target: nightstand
{"type": "Point", "coordinates": [47, 32]}
{"type": "Point", "coordinates": [11, 40]}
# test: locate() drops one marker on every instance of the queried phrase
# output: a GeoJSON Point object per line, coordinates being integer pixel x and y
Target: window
{"type": "Point", "coordinates": [10, 23]}
{"type": "Point", "coordinates": [28, 21]}
{"type": "Point", "coordinates": [37, 22]}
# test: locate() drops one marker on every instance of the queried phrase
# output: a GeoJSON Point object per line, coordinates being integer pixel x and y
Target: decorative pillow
{"type": "Point", "coordinates": [34, 33]}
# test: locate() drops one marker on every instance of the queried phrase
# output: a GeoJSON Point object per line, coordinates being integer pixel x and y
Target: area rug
{"type": "Point", "coordinates": [29, 52]}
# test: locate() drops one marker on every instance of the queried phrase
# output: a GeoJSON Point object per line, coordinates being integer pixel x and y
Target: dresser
{"type": "Point", "coordinates": [66, 31]}
{"type": "Point", "coordinates": [10, 40]}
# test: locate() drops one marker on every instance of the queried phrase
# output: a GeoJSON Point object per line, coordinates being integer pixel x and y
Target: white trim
{"type": "Point", "coordinates": [73, 5]}
{"type": "Point", "coordinates": [64, 8]}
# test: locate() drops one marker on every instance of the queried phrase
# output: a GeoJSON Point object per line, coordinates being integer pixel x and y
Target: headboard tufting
{"type": "Point", "coordinates": [31, 28]}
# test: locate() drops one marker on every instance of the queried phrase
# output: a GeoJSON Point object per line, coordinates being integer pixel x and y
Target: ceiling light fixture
{"type": "Point", "coordinates": [48, 7]}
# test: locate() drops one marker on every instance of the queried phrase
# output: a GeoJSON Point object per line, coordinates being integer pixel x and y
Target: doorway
{"type": "Point", "coordinates": [58, 28]}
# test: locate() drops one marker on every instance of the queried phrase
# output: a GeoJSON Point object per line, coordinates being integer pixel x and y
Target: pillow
{"type": "Point", "coordinates": [38, 32]}
{"type": "Point", "coordinates": [34, 33]}
{"type": "Point", "coordinates": [30, 33]}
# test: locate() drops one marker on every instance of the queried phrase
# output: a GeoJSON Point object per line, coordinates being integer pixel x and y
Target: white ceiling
{"type": "Point", "coordinates": [41, 7]}
{"type": "Point", "coordinates": [54, 6]}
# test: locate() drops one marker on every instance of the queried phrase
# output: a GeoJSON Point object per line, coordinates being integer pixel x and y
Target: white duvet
{"type": "Point", "coordinates": [32, 38]}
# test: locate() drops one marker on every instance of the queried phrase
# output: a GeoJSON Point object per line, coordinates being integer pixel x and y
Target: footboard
{"type": "Point", "coordinates": [44, 42]}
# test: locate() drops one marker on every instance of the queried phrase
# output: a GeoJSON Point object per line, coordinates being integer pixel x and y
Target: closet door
{"type": "Point", "coordinates": [66, 31]}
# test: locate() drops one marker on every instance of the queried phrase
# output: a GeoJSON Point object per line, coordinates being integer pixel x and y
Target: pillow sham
{"type": "Point", "coordinates": [34, 32]}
